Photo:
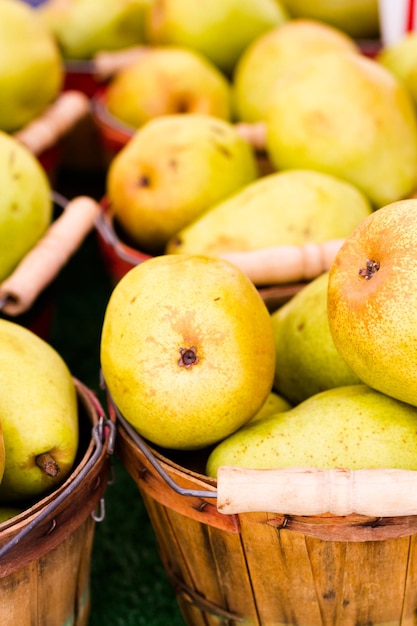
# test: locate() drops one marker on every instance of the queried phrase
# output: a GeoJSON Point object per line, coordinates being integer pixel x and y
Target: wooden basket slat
{"type": "Point", "coordinates": [282, 569]}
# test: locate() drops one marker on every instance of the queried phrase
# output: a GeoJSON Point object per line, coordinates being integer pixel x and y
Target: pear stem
{"type": "Point", "coordinates": [47, 464]}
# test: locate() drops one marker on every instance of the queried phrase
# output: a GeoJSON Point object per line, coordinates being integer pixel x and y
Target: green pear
{"type": "Point", "coordinates": [2, 453]}
{"type": "Point", "coordinates": [31, 67]}
{"type": "Point", "coordinates": [350, 117]}
{"type": "Point", "coordinates": [401, 59]}
{"type": "Point", "coordinates": [38, 412]}
{"type": "Point", "coordinates": [352, 427]}
{"type": "Point", "coordinates": [273, 404]}
{"type": "Point", "coordinates": [272, 53]}
{"type": "Point", "coordinates": [7, 512]}
{"type": "Point", "coordinates": [287, 207]}
{"type": "Point", "coordinates": [172, 170]}
{"type": "Point", "coordinates": [25, 202]}
{"type": "Point", "coordinates": [187, 349]}
{"type": "Point", "coordinates": [220, 31]}
{"type": "Point", "coordinates": [307, 361]}
{"type": "Point", "coordinates": [358, 18]}
{"type": "Point", "coordinates": [168, 80]}
{"type": "Point", "coordinates": [83, 28]}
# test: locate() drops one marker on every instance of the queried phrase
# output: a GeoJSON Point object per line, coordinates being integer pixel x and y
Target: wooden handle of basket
{"type": "Point", "coordinates": [286, 263]}
{"type": "Point", "coordinates": [254, 133]}
{"type": "Point", "coordinates": [40, 266]}
{"type": "Point", "coordinates": [56, 121]}
{"type": "Point", "coordinates": [311, 491]}
{"type": "Point", "coordinates": [106, 64]}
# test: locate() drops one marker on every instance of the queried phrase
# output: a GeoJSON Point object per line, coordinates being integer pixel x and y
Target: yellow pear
{"type": "Point", "coordinates": [168, 80]}
{"type": "Point", "coordinates": [187, 349]}
{"type": "Point", "coordinates": [31, 67]}
{"type": "Point", "coordinates": [38, 413]}
{"type": "Point", "coordinates": [274, 403]}
{"type": "Point", "coordinates": [271, 54]}
{"type": "Point", "coordinates": [287, 207]}
{"type": "Point", "coordinates": [171, 171]}
{"type": "Point", "coordinates": [358, 18]}
{"type": "Point", "coordinates": [345, 114]}
{"type": "Point", "coordinates": [25, 202]}
{"type": "Point", "coordinates": [372, 300]}
{"type": "Point", "coordinates": [85, 27]}
{"type": "Point", "coordinates": [307, 361]}
{"type": "Point", "coordinates": [352, 427]}
{"type": "Point", "coordinates": [220, 30]}
{"type": "Point", "coordinates": [2, 453]}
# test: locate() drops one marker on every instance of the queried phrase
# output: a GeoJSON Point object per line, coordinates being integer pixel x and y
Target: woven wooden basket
{"type": "Point", "coordinates": [265, 548]}
{"type": "Point", "coordinates": [45, 552]}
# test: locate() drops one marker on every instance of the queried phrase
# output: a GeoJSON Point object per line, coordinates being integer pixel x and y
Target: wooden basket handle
{"type": "Point", "coordinates": [40, 266]}
{"type": "Point", "coordinates": [253, 133]}
{"type": "Point", "coordinates": [311, 491]}
{"type": "Point", "coordinates": [106, 64]}
{"type": "Point", "coordinates": [56, 121]}
{"type": "Point", "coordinates": [286, 263]}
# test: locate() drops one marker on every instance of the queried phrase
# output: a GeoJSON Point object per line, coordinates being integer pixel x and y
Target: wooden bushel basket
{"type": "Point", "coordinates": [45, 552]}
{"type": "Point", "coordinates": [302, 546]}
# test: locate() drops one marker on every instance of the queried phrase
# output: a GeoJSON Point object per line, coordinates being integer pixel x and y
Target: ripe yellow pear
{"type": "Point", "coordinates": [167, 80]}
{"type": "Point", "coordinates": [307, 361]}
{"type": "Point", "coordinates": [352, 427]}
{"type": "Point", "coordinates": [38, 412]}
{"type": "Point", "coordinates": [31, 66]}
{"type": "Point", "coordinates": [345, 114]}
{"type": "Point", "coordinates": [187, 349]}
{"type": "Point", "coordinates": [372, 300]}
{"type": "Point", "coordinates": [171, 171]}
{"type": "Point", "coordinates": [271, 54]}
{"type": "Point", "coordinates": [272, 405]}
{"type": "Point", "coordinates": [25, 202]}
{"type": "Point", "coordinates": [287, 207]}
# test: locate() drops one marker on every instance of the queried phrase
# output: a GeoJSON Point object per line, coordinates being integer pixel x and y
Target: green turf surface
{"type": "Point", "coordinates": [129, 586]}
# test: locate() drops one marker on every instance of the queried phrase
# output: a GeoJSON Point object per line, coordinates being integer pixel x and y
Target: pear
{"type": "Point", "coordinates": [220, 31]}
{"type": "Point", "coordinates": [372, 300]}
{"type": "Point", "coordinates": [7, 512]}
{"type": "Point", "coordinates": [307, 361]}
{"type": "Point", "coordinates": [350, 117]}
{"type": "Point", "coordinates": [287, 207]}
{"type": "Point", "coordinates": [187, 349]}
{"type": "Point", "coordinates": [85, 27]}
{"type": "Point", "coordinates": [172, 170]}
{"type": "Point", "coordinates": [38, 413]}
{"type": "Point", "coordinates": [273, 404]}
{"type": "Point", "coordinates": [2, 453]}
{"type": "Point", "coordinates": [272, 53]}
{"type": "Point", "coordinates": [168, 80]}
{"type": "Point", "coordinates": [358, 18]}
{"type": "Point", "coordinates": [352, 427]}
{"type": "Point", "coordinates": [31, 67]}
{"type": "Point", "coordinates": [400, 58]}
{"type": "Point", "coordinates": [25, 202]}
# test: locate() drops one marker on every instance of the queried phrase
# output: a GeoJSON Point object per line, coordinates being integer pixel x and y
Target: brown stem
{"type": "Point", "coordinates": [47, 464]}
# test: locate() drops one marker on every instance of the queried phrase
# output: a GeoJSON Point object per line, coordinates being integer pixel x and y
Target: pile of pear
{"type": "Point", "coordinates": [39, 419]}
{"type": "Point", "coordinates": [338, 128]}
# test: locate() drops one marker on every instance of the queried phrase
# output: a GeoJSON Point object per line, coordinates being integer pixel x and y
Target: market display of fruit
{"type": "Point", "coordinates": [252, 213]}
